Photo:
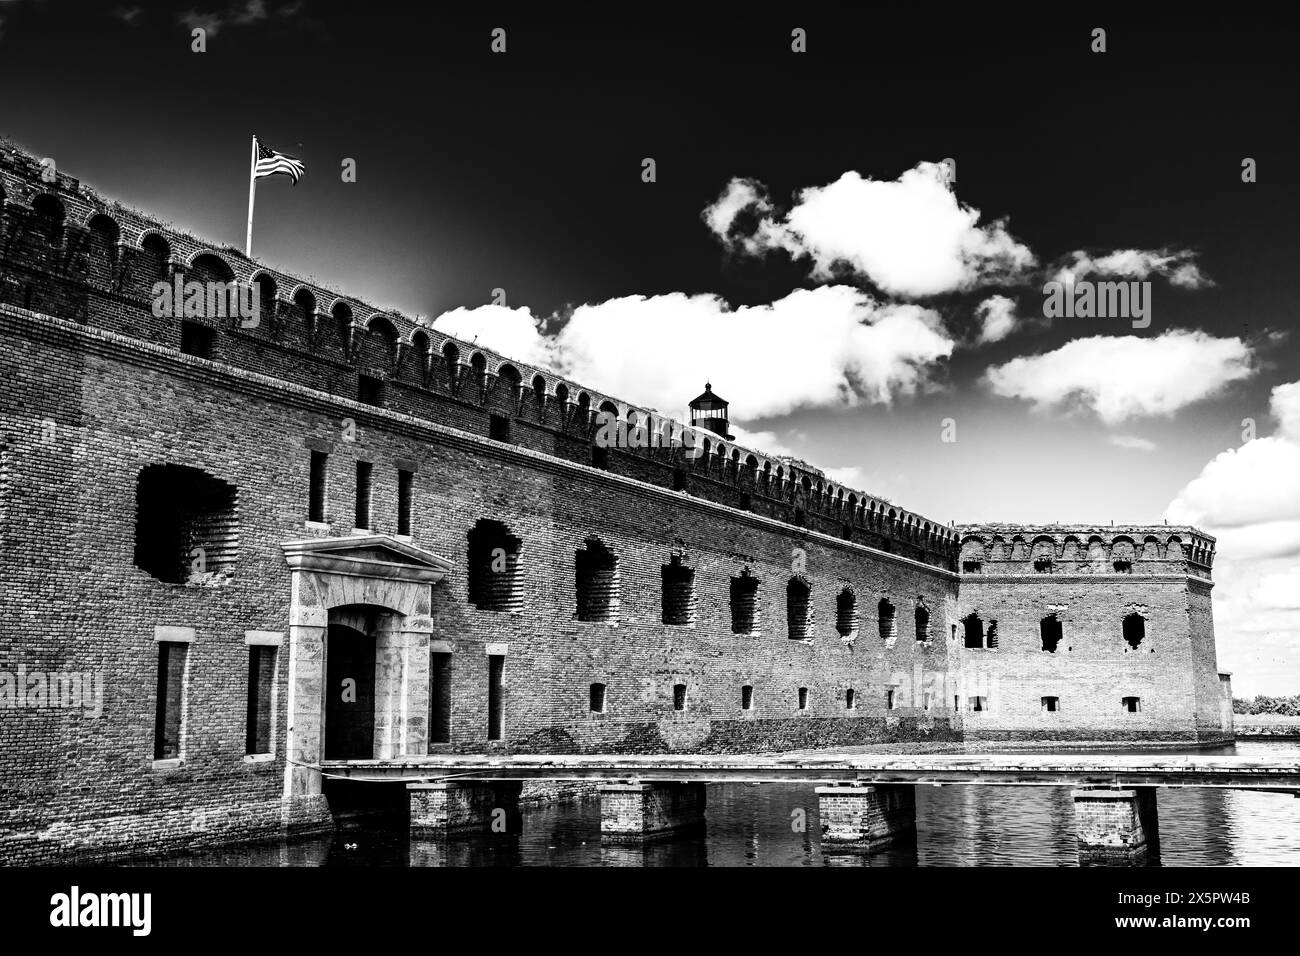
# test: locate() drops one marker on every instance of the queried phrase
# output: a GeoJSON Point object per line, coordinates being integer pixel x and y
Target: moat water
{"type": "Point", "coordinates": [777, 825]}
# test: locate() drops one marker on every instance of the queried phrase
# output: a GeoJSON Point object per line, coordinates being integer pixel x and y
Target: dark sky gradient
{"type": "Point", "coordinates": [522, 171]}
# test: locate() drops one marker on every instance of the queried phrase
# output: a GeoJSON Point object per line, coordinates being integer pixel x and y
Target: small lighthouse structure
{"type": "Point", "coordinates": [709, 411]}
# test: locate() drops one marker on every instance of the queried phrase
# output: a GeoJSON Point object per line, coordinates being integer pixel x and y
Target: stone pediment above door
{"type": "Point", "coordinates": [376, 556]}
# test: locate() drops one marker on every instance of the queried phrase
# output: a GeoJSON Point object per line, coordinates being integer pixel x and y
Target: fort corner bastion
{"type": "Point", "coordinates": [335, 533]}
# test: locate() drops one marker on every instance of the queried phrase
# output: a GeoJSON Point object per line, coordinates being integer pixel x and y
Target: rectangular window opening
{"type": "Point", "coordinates": [1051, 704]}
{"type": "Point", "coordinates": [364, 469]}
{"type": "Point", "coordinates": [197, 339]}
{"type": "Point", "coordinates": [261, 686]}
{"type": "Point", "coordinates": [316, 502]}
{"type": "Point", "coordinates": [747, 697]}
{"type": "Point", "coordinates": [405, 483]}
{"type": "Point", "coordinates": [597, 698]}
{"type": "Point", "coordinates": [496, 715]}
{"type": "Point", "coordinates": [439, 698]}
{"type": "Point", "coordinates": [170, 701]}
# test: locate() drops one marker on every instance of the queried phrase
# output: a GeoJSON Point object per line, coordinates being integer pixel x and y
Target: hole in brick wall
{"type": "Point", "coordinates": [596, 582]}
{"type": "Point", "coordinates": [1051, 705]}
{"type": "Point", "coordinates": [850, 699]}
{"type": "Point", "coordinates": [885, 619]}
{"type": "Point", "coordinates": [439, 698]}
{"type": "Point", "coordinates": [744, 603]}
{"type": "Point", "coordinates": [747, 697]}
{"type": "Point", "coordinates": [1049, 629]}
{"type": "Point", "coordinates": [499, 428]}
{"type": "Point", "coordinates": [891, 698]}
{"type": "Point", "coordinates": [1043, 565]}
{"type": "Point", "coordinates": [596, 699]}
{"type": "Point", "coordinates": [800, 519]}
{"type": "Point", "coordinates": [973, 630]}
{"type": "Point", "coordinates": [679, 479]}
{"type": "Point", "coordinates": [170, 700]}
{"type": "Point", "coordinates": [261, 678]}
{"type": "Point", "coordinates": [922, 617]}
{"type": "Point", "coordinates": [678, 593]}
{"type": "Point", "coordinates": [600, 457]}
{"type": "Point", "coordinates": [492, 566]}
{"type": "Point", "coordinates": [798, 609]}
{"type": "Point", "coordinates": [197, 339]}
{"type": "Point", "coordinates": [362, 517]}
{"type": "Point", "coordinates": [803, 698]}
{"type": "Point", "coordinates": [846, 613]}
{"type": "Point", "coordinates": [316, 487]}
{"type": "Point", "coordinates": [972, 567]}
{"type": "Point", "coordinates": [846, 532]}
{"type": "Point", "coordinates": [1132, 705]}
{"type": "Point", "coordinates": [746, 501]}
{"type": "Point", "coordinates": [186, 529]}
{"type": "Point", "coordinates": [1135, 629]}
{"type": "Point", "coordinates": [679, 696]}
{"type": "Point", "coordinates": [977, 704]}
{"type": "Point", "coordinates": [370, 390]}
{"type": "Point", "coordinates": [1123, 567]}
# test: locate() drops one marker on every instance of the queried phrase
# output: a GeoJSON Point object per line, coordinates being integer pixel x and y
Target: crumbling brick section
{"type": "Point", "coordinates": [492, 567]}
{"type": "Point", "coordinates": [187, 530]}
{"type": "Point", "coordinates": [678, 593]}
{"type": "Point", "coordinates": [596, 582]}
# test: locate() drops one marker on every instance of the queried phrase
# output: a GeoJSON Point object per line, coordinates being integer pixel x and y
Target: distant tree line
{"type": "Point", "coordinates": [1282, 706]}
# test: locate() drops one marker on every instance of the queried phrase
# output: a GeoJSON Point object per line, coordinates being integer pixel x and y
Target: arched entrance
{"type": "Point", "coordinates": [350, 684]}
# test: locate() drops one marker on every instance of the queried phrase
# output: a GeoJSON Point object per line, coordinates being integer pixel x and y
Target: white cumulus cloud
{"type": "Point", "coordinates": [833, 345]}
{"type": "Point", "coordinates": [997, 316]}
{"type": "Point", "coordinates": [910, 236]}
{"type": "Point", "coordinates": [1122, 377]}
{"type": "Point", "coordinates": [1176, 265]}
{"type": "Point", "coordinates": [1249, 499]}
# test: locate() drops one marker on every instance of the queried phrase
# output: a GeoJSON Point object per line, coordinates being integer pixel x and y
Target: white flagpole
{"type": "Point", "coordinates": [252, 192]}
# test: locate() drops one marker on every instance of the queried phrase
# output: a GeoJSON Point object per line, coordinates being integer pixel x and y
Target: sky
{"type": "Point", "coordinates": [804, 242]}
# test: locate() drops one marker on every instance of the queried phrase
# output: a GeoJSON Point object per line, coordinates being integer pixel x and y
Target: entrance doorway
{"type": "Point", "coordinates": [350, 687]}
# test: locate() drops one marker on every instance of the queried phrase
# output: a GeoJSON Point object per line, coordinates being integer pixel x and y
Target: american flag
{"type": "Point", "coordinates": [269, 162]}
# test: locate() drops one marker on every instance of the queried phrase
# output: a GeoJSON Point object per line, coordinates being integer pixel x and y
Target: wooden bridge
{"type": "Point", "coordinates": [865, 800]}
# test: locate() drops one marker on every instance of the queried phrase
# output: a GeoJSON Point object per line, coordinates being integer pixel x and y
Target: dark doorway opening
{"type": "Point", "coordinates": [349, 694]}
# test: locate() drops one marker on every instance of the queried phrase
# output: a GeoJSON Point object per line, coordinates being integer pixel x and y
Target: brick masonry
{"type": "Point", "coordinates": [99, 390]}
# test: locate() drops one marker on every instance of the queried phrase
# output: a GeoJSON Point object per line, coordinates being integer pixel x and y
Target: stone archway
{"type": "Point", "coordinates": [388, 582]}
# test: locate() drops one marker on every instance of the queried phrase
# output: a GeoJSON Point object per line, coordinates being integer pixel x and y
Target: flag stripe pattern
{"type": "Point", "coordinates": [270, 163]}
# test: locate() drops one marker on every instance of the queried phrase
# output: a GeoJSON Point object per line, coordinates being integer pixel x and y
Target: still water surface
{"type": "Point", "coordinates": [751, 825]}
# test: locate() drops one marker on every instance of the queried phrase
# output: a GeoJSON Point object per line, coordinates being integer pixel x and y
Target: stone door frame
{"type": "Point", "coordinates": [393, 577]}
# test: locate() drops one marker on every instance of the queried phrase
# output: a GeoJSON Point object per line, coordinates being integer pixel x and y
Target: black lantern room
{"type": "Point", "coordinates": [709, 411]}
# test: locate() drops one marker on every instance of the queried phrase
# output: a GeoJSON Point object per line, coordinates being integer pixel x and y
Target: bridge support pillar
{"type": "Point", "coordinates": [453, 808]}
{"type": "Point", "coordinates": [639, 812]}
{"type": "Point", "coordinates": [1116, 827]}
{"type": "Point", "coordinates": [866, 817]}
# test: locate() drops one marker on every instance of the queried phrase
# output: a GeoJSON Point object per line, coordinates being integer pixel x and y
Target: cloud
{"type": "Point", "coordinates": [512, 332]}
{"type": "Point", "coordinates": [1133, 442]}
{"type": "Point", "coordinates": [911, 237]}
{"type": "Point", "coordinates": [128, 15]}
{"type": "Point", "coordinates": [1280, 590]}
{"type": "Point", "coordinates": [829, 346]}
{"type": "Point", "coordinates": [1122, 377]}
{"type": "Point", "coordinates": [850, 476]}
{"type": "Point", "coordinates": [1249, 499]}
{"type": "Point", "coordinates": [1175, 265]}
{"type": "Point", "coordinates": [209, 23]}
{"type": "Point", "coordinates": [997, 315]}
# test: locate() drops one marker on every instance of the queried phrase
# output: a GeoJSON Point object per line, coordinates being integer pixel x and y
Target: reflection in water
{"type": "Point", "coordinates": [777, 825]}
